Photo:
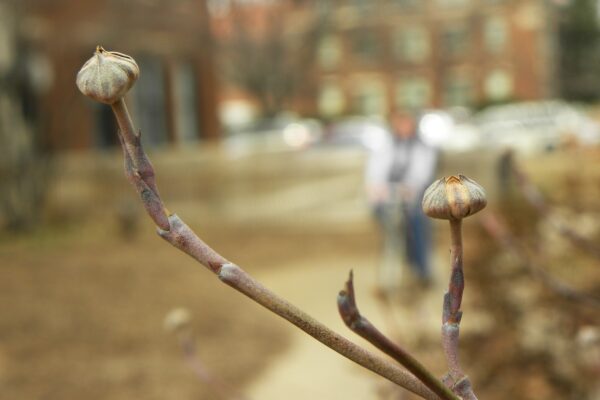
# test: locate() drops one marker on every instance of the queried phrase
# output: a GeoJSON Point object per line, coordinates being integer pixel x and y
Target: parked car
{"type": "Point", "coordinates": [436, 127]}
{"type": "Point", "coordinates": [535, 126]}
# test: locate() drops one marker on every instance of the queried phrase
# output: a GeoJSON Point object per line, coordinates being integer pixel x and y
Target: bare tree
{"type": "Point", "coordinates": [270, 53]}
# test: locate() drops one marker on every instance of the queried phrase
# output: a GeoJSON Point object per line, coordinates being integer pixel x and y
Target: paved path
{"type": "Point", "coordinates": [310, 371]}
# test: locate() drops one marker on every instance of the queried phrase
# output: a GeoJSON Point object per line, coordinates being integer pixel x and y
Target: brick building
{"type": "Point", "coordinates": [374, 55]}
{"type": "Point", "coordinates": [175, 98]}
{"type": "Point", "coordinates": [379, 54]}
{"type": "Point", "coordinates": [435, 53]}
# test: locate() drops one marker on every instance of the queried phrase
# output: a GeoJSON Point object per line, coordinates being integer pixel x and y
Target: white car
{"type": "Point", "coordinates": [535, 126]}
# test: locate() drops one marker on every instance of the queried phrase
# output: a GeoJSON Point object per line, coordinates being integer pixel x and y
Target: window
{"type": "Point", "coordinates": [455, 41]}
{"type": "Point", "coordinates": [330, 53]}
{"type": "Point", "coordinates": [331, 100]}
{"type": "Point", "coordinates": [185, 103]}
{"type": "Point", "coordinates": [495, 34]}
{"type": "Point", "coordinates": [411, 44]}
{"type": "Point", "coordinates": [498, 85]}
{"type": "Point", "coordinates": [413, 92]}
{"type": "Point", "coordinates": [365, 45]}
{"type": "Point", "coordinates": [370, 97]}
{"type": "Point", "coordinates": [105, 127]}
{"type": "Point", "coordinates": [149, 98]}
{"type": "Point", "coordinates": [458, 91]}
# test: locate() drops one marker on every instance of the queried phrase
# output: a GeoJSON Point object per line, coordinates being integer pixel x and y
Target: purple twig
{"type": "Point", "coordinates": [452, 315]}
{"type": "Point", "coordinates": [177, 233]}
{"type": "Point", "coordinates": [362, 327]}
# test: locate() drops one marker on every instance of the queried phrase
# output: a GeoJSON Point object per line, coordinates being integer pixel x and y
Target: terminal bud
{"type": "Point", "coordinates": [453, 197]}
{"type": "Point", "coordinates": [107, 76]}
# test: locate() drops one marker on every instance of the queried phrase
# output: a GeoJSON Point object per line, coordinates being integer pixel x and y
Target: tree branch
{"type": "Point", "coordinates": [452, 315]}
{"type": "Point", "coordinates": [362, 327]}
{"type": "Point", "coordinates": [177, 233]}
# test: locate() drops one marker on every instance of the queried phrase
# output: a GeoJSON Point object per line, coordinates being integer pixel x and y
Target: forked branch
{"type": "Point", "coordinates": [116, 71]}
{"type": "Point", "coordinates": [362, 327]}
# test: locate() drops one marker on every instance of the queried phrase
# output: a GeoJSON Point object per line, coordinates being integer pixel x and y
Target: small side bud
{"type": "Point", "coordinates": [177, 319]}
{"type": "Point", "coordinates": [453, 197]}
{"type": "Point", "coordinates": [107, 76]}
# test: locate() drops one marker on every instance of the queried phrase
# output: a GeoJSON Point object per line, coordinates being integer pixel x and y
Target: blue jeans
{"type": "Point", "coordinates": [407, 234]}
{"type": "Point", "coordinates": [417, 231]}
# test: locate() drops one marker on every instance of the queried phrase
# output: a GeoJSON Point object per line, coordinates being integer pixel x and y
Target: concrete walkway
{"type": "Point", "coordinates": [308, 370]}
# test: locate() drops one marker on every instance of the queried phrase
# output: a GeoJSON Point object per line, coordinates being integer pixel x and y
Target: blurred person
{"type": "Point", "coordinates": [397, 174]}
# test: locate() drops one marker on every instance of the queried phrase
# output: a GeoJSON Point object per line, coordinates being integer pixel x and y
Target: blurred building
{"type": "Point", "coordinates": [373, 55]}
{"type": "Point", "coordinates": [175, 98]}
{"type": "Point", "coordinates": [435, 53]}
{"type": "Point", "coordinates": [267, 56]}
{"type": "Point", "coordinates": [326, 58]}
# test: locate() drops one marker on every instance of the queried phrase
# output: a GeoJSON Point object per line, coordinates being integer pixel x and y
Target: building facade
{"type": "Point", "coordinates": [175, 98]}
{"type": "Point", "coordinates": [385, 54]}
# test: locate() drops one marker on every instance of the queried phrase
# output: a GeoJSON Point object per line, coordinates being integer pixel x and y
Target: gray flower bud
{"type": "Point", "coordinates": [107, 76]}
{"type": "Point", "coordinates": [453, 197]}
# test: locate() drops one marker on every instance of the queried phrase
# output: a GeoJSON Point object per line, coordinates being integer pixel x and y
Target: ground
{"type": "Point", "coordinates": [83, 298]}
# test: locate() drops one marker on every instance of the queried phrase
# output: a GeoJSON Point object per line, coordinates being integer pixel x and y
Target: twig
{"type": "Point", "coordinates": [497, 229]}
{"type": "Point", "coordinates": [177, 233]}
{"type": "Point", "coordinates": [363, 327]}
{"type": "Point", "coordinates": [452, 315]}
{"type": "Point", "coordinates": [453, 198]}
{"type": "Point", "coordinates": [534, 196]}
{"type": "Point", "coordinates": [138, 169]}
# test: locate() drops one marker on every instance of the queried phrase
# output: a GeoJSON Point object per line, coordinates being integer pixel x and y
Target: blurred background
{"type": "Point", "coordinates": [259, 116]}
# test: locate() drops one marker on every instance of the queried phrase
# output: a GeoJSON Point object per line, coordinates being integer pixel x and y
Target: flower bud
{"type": "Point", "coordinates": [453, 197]}
{"type": "Point", "coordinates": [107, 76]}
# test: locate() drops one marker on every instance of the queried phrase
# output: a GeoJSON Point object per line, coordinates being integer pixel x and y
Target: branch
{"type": "Point", "coordinates": [496, 228]}
{"type": "Point", "coordinates": [452, 315]}
{"type": "Point", "coordinates": [172, 229]}
{"type": "Point", "coordinates": [362, 327]}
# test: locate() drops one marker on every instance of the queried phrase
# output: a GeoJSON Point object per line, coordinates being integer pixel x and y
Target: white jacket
{"type": "Point", "coordinates": [406, 164]}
